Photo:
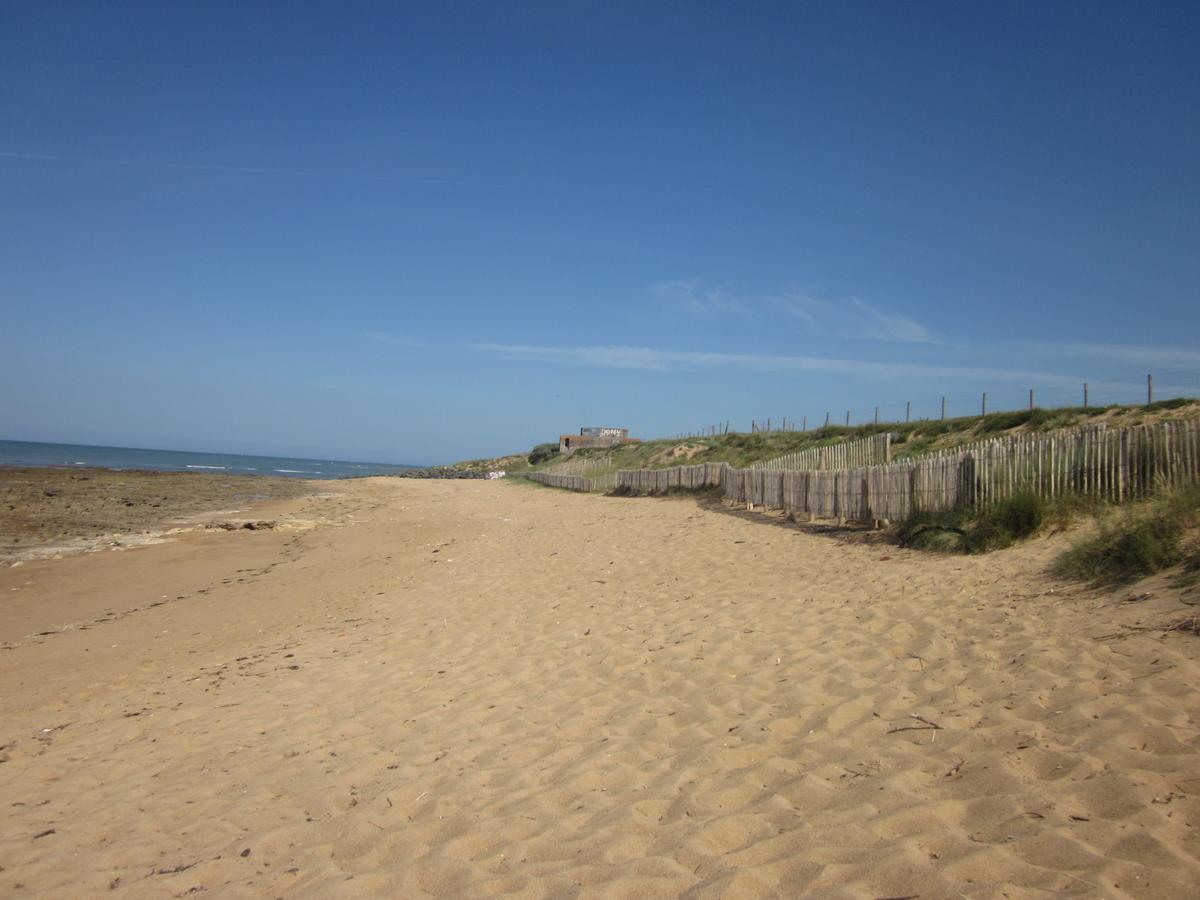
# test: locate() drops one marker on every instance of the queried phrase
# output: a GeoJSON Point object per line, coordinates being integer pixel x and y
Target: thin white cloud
{"type": "Point", "coordinates": [852, 318]}
{"type": "Point", "coordinates": [1149, 357]}
{"type": "Point", "coordinates": [623, 357]}
{"type": "Point", "coordinates": [694, 296]}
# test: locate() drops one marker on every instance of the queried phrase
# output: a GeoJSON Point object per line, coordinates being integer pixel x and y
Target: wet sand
{"type": "Point", "coordinates": [474, 689]}
{"type": "Point", "coordinates": [48, 512]}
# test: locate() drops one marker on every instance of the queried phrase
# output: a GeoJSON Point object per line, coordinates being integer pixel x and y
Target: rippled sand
{"type": "Point", "coordinates": [475, 689]}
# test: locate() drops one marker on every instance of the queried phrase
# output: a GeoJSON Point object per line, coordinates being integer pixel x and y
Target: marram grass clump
{"type": "Point", "coordinates": [1139, 542]}
{"type": "Point", "coordinates": [963, 531]}
{"type": "Point", "coordinates": [1001, 525]}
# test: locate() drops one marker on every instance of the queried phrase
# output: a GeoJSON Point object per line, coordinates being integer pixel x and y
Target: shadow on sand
{"type": "Point", "coordinates": [847, 533]}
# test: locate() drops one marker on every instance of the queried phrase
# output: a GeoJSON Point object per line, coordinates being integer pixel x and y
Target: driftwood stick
{"type": "Point", "coordinates": [926, 725]}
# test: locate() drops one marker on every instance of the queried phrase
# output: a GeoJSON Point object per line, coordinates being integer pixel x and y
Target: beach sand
{"type": "Point", "coordinates": [470, 689]}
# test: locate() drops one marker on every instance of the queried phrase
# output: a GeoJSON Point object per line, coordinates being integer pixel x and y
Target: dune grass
{"type": "Point", "coordinates": [964, 531]}
{"type": "Point", "coordinates": [1139, 541]}
{"type": "Point", "coordinates": [1005, 523]}
{"type": "Point", "coordinates": [910, 439]}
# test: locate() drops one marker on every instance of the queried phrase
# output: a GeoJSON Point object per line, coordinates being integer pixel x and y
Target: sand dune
{"type": "Point", "coordinates": [473, 689]}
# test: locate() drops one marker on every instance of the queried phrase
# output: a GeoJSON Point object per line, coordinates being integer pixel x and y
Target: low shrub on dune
{"type": "Point", "coordinates": [1140, 541]}
{"type": "Point", "coordinates": [1001, 525]}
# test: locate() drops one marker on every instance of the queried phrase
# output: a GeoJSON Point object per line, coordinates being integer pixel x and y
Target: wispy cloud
{"type": "Point", "coordinates": [244, 170]}
{"type": "Point", "coordinates": [1150, 357]}
{"type": "Point", "coordinates": [624, 357]}
{"type": "Point", "coordinates": [851, 318]}
{"type": "Point", "coordinates": [694, 296]}
{"type": "Point", "coordinates": [655, 359]}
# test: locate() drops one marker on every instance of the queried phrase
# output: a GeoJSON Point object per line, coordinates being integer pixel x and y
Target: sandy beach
{"type": "Point", "coordinates": [469, 689]}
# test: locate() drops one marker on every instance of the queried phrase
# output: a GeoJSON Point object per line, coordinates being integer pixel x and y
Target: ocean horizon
{"type": "Point", "coordinates": [47, 455]}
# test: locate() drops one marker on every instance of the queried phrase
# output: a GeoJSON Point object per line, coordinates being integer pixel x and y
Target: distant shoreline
{"type": "Point", "coordinates": [81, 456]}
{"type": "Point", "coordinates": [196, 470]}
{"type": "Point", "coordinates": [50, 511]}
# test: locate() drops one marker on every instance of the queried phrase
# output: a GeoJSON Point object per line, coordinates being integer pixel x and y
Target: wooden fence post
{"type": "Point", "coordinates": [907, 410]}
{"type": "Point", "coordinates": [1031, 399]}
{"type": "Point", "coordinates": [847, 418]}
{"type": "Point", "coordinates": [877, 415]}
{"type": "Point", "coordinates": [826, 419]}
{"type": "Point", "coordinates": [805, 426]}
{"type": "Point", "coordinates": [983, 405]}
{"type": "Point", "coordinates": [1085, 397]}
{"type": "Point", "coordinates": [1149, 389]}
{"type": "Point", "coordinates": [943, 408]}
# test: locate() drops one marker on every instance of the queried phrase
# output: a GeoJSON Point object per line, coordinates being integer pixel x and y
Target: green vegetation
{"type": "Point", "coordinates": [1002, 525]}
{"type": "Point", "coordinates": [961, 531]}
{"type": "Point", "coordinates": [474, 467]}
{"type": "Point", "coordinates": [910, 439]}
{"type": "Point", "coordinates": [936, 435]}
{"type": "Point", "coordinates": [1139, 541]}
{"type": "Point", "coordinates": [542, 453]}
{"type": "Point", "coordinates": [1038, 419]}
{"type": "Point", "coordinates": [1176, 403]}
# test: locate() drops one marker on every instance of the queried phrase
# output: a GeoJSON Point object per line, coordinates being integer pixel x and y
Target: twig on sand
{"type": "Point", "coordinates": [177, 869]}
{"type": "Point", "coordinates": [1191, 625]}
{"type": "Point", "coordinates": [926, 725]}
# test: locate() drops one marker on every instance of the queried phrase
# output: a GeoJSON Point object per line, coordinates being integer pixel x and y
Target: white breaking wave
{"type": "Point", "coordinates": [190, 466]}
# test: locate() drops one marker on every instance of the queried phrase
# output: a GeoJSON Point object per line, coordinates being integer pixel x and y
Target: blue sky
{"type": "Point", "coordinates": [423, 233]}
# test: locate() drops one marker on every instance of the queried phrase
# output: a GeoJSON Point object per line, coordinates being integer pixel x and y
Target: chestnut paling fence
{"type": "Point", "coordinates": [595, 474]}
{"type": "Point", "coordinates": [1115, 464]}
{"type": "Point", "coordinates": [582, 466]}
{"type": "Point", "coordinates": [875, 449]}
{"type": "Point", "coordinates": [658, 481]}
{"type": "Point", "coordinates": [570, 482]}
{"type": "Point", "coordinates": [587, 475]}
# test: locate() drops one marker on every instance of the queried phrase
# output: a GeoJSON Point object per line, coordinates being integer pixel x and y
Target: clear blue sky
{"type": "Point", "coordinates": [416, 233]}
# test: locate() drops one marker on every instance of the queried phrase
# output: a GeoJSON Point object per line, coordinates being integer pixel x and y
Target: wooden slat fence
{"type": "Point", "coordinates": [570, 482]}
{"type": "Point", "coordinates": [659, 481]}
{"type": "Point", "coordinates": [873, 450]}
{"type": "Point", "coordinates": [1114, 464]}
{"type": "Point", "coordinates": [864, 494]}
{"type": "Point", "coordinates": [582, 466]}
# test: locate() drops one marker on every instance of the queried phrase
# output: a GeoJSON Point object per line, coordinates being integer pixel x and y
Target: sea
{"type": "Point", "coordinates": [27, 453]}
